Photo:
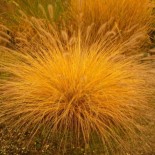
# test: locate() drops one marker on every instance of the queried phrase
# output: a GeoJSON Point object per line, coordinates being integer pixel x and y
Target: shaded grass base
{"type": "Point", "coordinates": [14, 143]}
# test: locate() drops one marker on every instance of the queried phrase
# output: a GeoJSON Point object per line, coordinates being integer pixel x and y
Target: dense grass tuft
{"type": "Point", "coordinates": [79, 93]}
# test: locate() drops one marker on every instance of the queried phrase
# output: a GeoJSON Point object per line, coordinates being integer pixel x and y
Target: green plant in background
{"type": "Point", "coordinates": [51, 10]}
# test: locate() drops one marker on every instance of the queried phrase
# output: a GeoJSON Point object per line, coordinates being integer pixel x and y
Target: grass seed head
{"type": "Point", "coordinates": [117, 18]}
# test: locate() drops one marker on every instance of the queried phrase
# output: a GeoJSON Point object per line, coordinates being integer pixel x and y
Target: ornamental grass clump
{"type": "Point", "coordinates": [124, 17]}
{"type": "Point", "coordinates": [125, 14]}
{"type": "Point", "coordinates": [79, 93]}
